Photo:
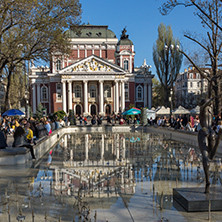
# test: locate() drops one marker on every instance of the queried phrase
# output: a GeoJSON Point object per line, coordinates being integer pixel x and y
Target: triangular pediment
{"type": "Point", "coordinates": [92, 64]}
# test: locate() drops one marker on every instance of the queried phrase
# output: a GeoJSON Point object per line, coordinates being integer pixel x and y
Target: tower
{"type": "Point", "coordinates": [125, 52]}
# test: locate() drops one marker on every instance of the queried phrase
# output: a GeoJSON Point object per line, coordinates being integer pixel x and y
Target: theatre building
{"type": "Point", "coordinates": [97, 78]}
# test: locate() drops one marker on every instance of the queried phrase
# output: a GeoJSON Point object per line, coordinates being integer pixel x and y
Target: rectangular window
{"type": "Point", "coordinates": [58, 96]}
{"type": "Point", "coordinates": [58, 87]}
{"type": "Point", "coordinates": [126, 86]}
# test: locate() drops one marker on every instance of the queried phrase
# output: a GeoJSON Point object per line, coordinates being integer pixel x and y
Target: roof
{"type": "Point", "coordinates": [125, 42]}
{"type": "Point", "coordinates": [91, 31]}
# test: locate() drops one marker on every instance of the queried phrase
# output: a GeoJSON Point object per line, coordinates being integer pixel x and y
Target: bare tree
{"type": "Point", "coordinates": [209, 12]}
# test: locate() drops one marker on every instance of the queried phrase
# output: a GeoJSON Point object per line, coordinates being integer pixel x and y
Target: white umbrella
{"type": "Point", "coordinates": [163, 111]}
{"type": "Point", "coordinates": [195, 110]}
{"type": "Point", "coordinates": [181, 110]}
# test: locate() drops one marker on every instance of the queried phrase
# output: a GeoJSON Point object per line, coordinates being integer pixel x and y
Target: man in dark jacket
{"type": "Point", "coordinates": [41, 130]}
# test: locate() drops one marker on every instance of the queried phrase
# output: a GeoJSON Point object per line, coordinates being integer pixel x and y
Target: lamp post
{"type": "Point", "coordinates": [171, 100]}
{"type": "Point", "coordinates": [2, 92]}
{"type": "Point", "coordinates": [170, 50]}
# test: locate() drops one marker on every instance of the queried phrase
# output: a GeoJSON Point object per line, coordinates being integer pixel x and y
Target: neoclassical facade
{"type": "Point", "coordinates": [98, 77]}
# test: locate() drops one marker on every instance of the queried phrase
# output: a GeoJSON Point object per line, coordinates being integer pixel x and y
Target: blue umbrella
{"type": "Point", "coordinates": [13, 112]}
{"type": "Point", "coordinates": [132, 111]}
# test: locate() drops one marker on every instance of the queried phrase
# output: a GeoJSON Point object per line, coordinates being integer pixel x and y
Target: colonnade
{"type": "Point", "coordinates": [118, 99]}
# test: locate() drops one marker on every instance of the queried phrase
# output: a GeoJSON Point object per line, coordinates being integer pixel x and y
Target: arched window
{"type": "Point", "coordinates": [126, 64]}
{"type": "Point", "coordinates": [58, 65]}
{"type": "Point", "coordinates": [78, 91]}
{"type": "Point", "coordinates": [44, 94]}
{"type": "Point", "coordinates": [92, 91]}
{"type": "Point", "coordinates": [107, 91]}
{"type": "Point", "coordinates": [139, 91]}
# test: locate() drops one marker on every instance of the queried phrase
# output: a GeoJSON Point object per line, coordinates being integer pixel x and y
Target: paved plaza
{"type": "Point", "coordinates": [133, 182]}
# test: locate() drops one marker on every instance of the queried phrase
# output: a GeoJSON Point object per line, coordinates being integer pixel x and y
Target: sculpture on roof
{"type": "Point", "coordinates": [124, 36]}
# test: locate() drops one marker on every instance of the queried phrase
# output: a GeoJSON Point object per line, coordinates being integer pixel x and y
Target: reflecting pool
{"type": "Point", "coordinates": [106, 177]}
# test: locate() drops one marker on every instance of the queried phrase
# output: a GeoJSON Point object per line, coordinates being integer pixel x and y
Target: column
{"type": "Point", "coordinates": [93, 49]}
{"type": "Point", "coordinates": [100, 51]}
{"type": "Point", "coordinates": [150, 96]}
{"type": "Point", "coordinates": [121, 61]}
{"type": "Point", "coordinates": [117, 96]}
{"type": "Point", "coordinates": [85, 51]}
{"type": "Point", "coordinates": [114, 103]}
{"type": "Point", "coordinates": [69, 94]}
{"type": "Point", "coordinates": [123, 96]}
{"type": "Point", "coordinates": [85, 97]}
{"type": "Point", "coordinates": [130, 65]}
{"type": "Point", "coordinates": [78, 51]}
{"type": "Point", "coordinates": [38, 94]}
{"type": "Point", "coordinates": [64, 96]}
{"type": "Point", "coordinates": [101, 101]}
{"type": "Point", "coordinates": [145, 93]}
{"type": "Point", "coordinates": [33, 99]}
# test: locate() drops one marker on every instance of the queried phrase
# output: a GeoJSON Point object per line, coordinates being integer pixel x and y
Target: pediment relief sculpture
{"type": "Point", "coordinates": [90, 66]}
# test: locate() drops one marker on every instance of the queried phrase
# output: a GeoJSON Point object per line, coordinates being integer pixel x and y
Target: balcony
{"type": "Point", "coordinates": [108, 99]}
{"type": "Point", "coordinates": [92, 99]}
{"type": "Point", "coordinates": [77, 99]}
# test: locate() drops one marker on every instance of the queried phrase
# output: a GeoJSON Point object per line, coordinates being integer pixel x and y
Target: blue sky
{"type": "Point", "coordinates": [142, 19]}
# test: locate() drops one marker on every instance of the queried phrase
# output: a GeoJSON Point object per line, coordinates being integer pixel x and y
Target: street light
{"type": "Point", "coordinates": [171, 50]}
{"type": "Point", "coordinates": [171, 101]}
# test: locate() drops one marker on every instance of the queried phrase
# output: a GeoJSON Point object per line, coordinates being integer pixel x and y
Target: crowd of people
{"type": "Point", "coordinates": [184, 122]}
{"type": "Point", "coordinates": [27, 131]}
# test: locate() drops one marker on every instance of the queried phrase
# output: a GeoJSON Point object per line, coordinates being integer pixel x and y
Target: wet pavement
{"type": "Point", "coordinates": [106, 177]}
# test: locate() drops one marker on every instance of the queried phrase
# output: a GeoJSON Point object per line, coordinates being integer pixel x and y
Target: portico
{"type": "Point", "coordinates": [93, 88]}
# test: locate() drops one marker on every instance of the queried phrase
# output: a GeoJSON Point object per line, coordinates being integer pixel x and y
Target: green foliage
{"type": "Point", "coordinates": [39, 113]}
{"type": "Point", "coordinates": [158, 92]}
{"type": "Point", "coordinates": [131, 106]}
{"type": "Point", "coordinates": [30, 30]}
{"type": "Point", "coordinates": [60, 114]}
{"type": "Point", "coordinates": [72, 118]}
{"type": "Point", "coordinates": [167, 59]}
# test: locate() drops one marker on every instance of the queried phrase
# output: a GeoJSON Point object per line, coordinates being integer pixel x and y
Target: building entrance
{"type": "Point", "coordinates": [93, 109]}
{"type": "Point", "coordinates": [78, 110]}
{"type": "Point", "coordinates": [108, 109]}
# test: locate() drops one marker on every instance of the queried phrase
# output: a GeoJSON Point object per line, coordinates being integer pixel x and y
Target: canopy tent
{"type": "Point", "coordinates": [133, 111]}
{"type": "Point", "coordinates": [181, 110]}
{"type": "Point", "coordinates": [13, 112]}
{"type": "Point", "coordinates": [150, 113]}
{"type": "Point", "coordinates": [195, 110]}
{"type": "Point", "coordinates": [163, 110]}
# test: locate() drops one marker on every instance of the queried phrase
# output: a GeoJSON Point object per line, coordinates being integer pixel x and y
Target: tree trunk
{"type": "Point", "coordinates": [7, 90]}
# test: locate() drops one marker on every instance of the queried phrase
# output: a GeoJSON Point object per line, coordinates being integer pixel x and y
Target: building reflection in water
{"type": "Point", "coordinates": [113, 164]}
